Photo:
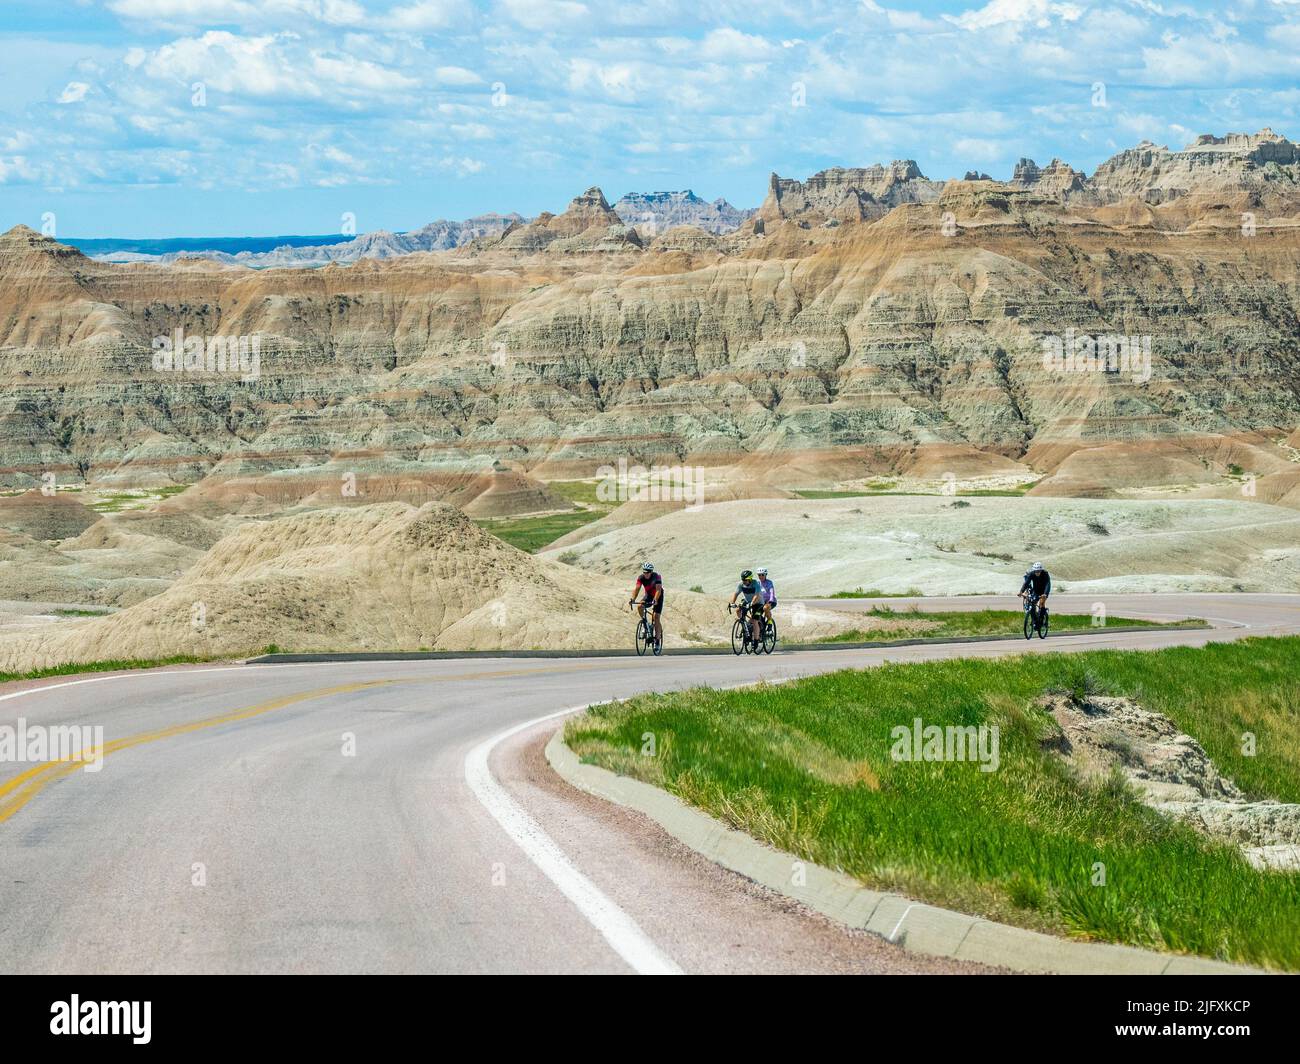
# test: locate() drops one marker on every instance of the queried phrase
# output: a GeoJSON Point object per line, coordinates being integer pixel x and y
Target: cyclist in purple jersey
{"type": "Point", "coordinates": [769, 594]}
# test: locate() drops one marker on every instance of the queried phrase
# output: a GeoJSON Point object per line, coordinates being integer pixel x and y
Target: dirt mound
{"type": "Point", "coordinates": [963, 462]}
{"type": "Point", "coordinates": [483, 493]}
{"type": "Point", "coordinates": [45, 517]}
{"type": "Point", "coordinates": [1201, 466]}
{"type": "Point", "coordinates": [1101, 736]}
{"type": "Point", "coordinates": [167, 523]}
{"type": "Point", "coordinates": [635, 512]}
{"type": "Point", "coordinates": [119, 560]}
{"type": "Point", "coordinates": [386, 577]}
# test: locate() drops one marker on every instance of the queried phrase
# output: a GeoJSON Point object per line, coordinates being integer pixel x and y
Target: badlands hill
{"type": "Point", "coordinates": [383, 577]}
{"type": "Point", "coordinates": [868, 322]}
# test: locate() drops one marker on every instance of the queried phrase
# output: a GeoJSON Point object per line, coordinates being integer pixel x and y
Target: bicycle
{"type": "Point", "coordinates": [1035, 618]}
{"type": "Point", "coordinates": [645, 633]}
{"type": "Point", "coordinates": [742, 633]}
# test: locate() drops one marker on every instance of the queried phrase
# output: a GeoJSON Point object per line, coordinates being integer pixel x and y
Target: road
{"type": "Point", "coordinates": [233, 829]}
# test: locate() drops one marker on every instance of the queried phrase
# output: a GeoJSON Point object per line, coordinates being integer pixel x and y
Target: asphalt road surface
{"type": "Point", "coordinates": [399, 817]}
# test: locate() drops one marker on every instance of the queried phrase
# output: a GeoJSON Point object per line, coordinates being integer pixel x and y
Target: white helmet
{"type": "Point", "coordinates": [762, 571]}
{"type": "Point", "coordinates": [1036, 567]}
{"type": "Point", "coordinates": [647, 567]}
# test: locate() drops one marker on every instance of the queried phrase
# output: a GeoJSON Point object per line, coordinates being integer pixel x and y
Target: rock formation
{"type": "Point", "coordinates": [1170, 771]}
{"type": "Point", "coordinates": [847, 195]}
{"type": "Point", "coordinates": [653, 213]}
{"type": "Point", "coordinates": [1116, 340]}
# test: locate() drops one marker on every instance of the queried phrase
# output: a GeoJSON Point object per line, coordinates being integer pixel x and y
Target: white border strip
{"type": "Point", "coordinates": [161, 670]}
{"type": "Point", "coordinates": [618, 929]}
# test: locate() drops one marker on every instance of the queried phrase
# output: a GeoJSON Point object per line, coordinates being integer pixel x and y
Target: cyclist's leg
{"type": "Point", "coordinates": [756, 616]}
{"type": "Point", "coordinates": [657, 613]}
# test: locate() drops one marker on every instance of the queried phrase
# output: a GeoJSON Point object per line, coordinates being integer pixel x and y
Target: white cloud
{"type": "Point", "coordinates": [978, 149]}
{"type": "Point", "coordinates": [455, 75]}
{"type": "Point", "coordinates": [239, 12]}
{"type": "Point", "coordinates": [345, 71]}
{"type": "Point", "coordinates": [544, 15]}
{"type": "Point", "coordinates": [729, 44]}
{"type": "Point", "coordinates": [428, 15]}
{"type": "Point", "coordinates": [462, 166]}
{"type": "Point", "coordinates": [74, 92]}
{"type": "Point", "coordinates": [999, 12]}
{"type": "Point", "coordinates": [663, 86]}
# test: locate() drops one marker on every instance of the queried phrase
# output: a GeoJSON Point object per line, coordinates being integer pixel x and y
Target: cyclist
{"type": "Point", "coordinates": [653, 585]}
{"type": "Point", "coordinates": [769, 594]}
{"type": "Point", "coordinates": [1037, 585]}
{"type": "Point", "coordinates": [750, 593]}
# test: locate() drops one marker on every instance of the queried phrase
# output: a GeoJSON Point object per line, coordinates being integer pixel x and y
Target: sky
{"type": "Point", "coordinates": [157, 118]}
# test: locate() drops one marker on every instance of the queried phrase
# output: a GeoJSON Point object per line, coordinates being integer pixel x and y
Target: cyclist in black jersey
{"type": "Point", "coordinates": [1037, 585]}
{"type": "Point", "coordinates": [650, 586]}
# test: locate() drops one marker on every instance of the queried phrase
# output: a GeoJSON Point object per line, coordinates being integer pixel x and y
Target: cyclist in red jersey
{"type": "Point", "coordinates": [652, 584]}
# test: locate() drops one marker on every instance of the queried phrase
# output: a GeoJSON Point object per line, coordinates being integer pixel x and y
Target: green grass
{"type": "Point", "coordinates": [805, 767]}
{"type": "Point", "coordinates": [117, 502]}
{"type": "Point", "coordinates": [886, 489]}
{"type": "Point", "coordinates": [535, 533]}
{"type": "Point", "coordinates": [81, 613]}
{"type": "Point", "coordinates": [999, 493]}
{"type": "Point", "coordinates": [114, 665]}
{"type": "Point", "coordinates": [581, 492]}
{"type": "Point", "coordinates": [983, 622]}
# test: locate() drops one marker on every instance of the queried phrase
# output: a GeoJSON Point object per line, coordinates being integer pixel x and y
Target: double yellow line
{"type": "Point", "coordinates": [17, 792]}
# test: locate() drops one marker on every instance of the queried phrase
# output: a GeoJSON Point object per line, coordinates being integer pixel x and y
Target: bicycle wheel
{"type": "Point", "coordinates": [738, 639]}
{"type": "Point", "coordinates": [769, 637]}
{"type": "Point", "coordinates": [1029, 624]}
{"type": "Point", "coordinates": [1042, 624]}
{"type": "Point", "coordinates": [643, 639]}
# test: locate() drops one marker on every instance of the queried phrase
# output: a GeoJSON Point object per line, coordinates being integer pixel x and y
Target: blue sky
{"type": "Point", "coordinates": [250, 117]}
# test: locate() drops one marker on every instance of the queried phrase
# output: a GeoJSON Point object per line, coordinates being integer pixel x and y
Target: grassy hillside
{"type": "Point", "coordinates": [806, 767]}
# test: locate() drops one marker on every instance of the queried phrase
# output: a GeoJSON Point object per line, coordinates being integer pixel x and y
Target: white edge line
{"type": "Point", "coordinates": [137, 673]}
{"type": "Point", "coordinates": [618, 929]}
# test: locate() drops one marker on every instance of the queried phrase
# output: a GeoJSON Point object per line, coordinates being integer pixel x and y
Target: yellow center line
{"type": "Point", "coordinates": [30, 783]}
{"type": "Point", "coordinates": [21, 789]}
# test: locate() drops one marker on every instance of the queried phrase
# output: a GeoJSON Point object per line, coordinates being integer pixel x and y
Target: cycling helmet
{"type": "Point", "coordinates": [746, 574]}
{"type": "Point", "coordinates": [647, 567]}
{"type": "Point", "coordinates": [762, 571]}
{"type": "Point", "coordinates": [1036, 567]}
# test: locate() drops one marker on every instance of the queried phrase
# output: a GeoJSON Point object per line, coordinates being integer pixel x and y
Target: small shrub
{"type": "Point", "coordinates": [1026, 892]}
{"type": "Point", "coordinates": [1082, 686]}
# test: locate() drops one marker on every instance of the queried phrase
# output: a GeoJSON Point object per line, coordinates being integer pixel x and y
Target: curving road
{"type": "Point", "coordinates": [232, 827]}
